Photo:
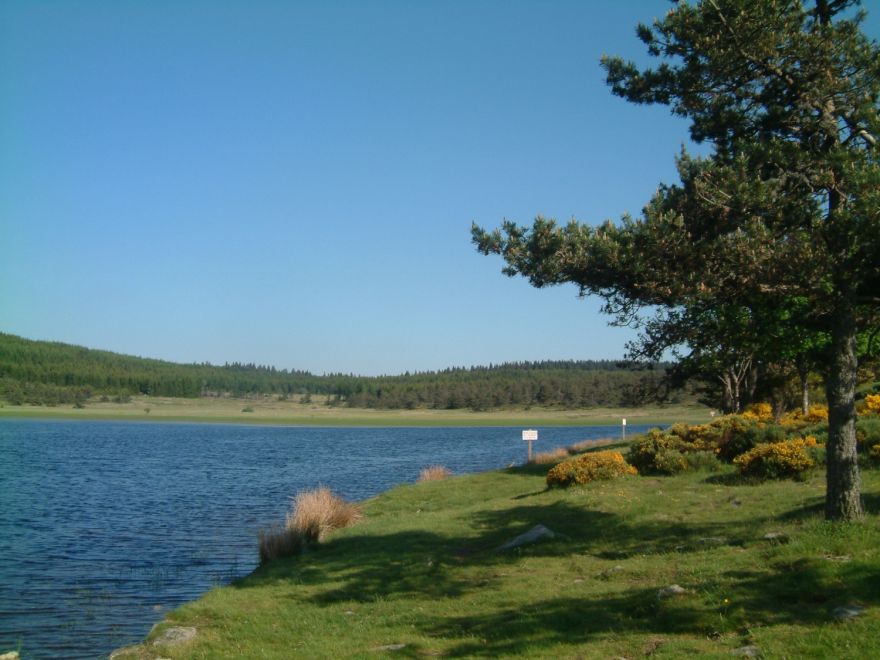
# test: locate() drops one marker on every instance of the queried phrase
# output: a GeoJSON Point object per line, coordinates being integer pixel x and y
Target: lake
{"type": "Point", "coordinates": [104, 526]}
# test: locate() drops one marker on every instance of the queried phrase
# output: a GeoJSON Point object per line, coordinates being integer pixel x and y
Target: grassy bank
{"type": "Point", "coordinates": [269, 410]}
{"type": "Point", "coordinates": [422, 575]}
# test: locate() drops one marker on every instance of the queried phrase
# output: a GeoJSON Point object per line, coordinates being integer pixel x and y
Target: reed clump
{"type": "Point", "coordinates": [279, 541]}
{"type": "Point", "coordinates": [314, 514]}
{"type": "Point", "coordinates": [583, 445]}
{"type": "Point", "coordinates": [434, 473]}
{"type": "Point", "coordinates": [552, 456]}
{"type": "Point", "coordinates": [318, 512]}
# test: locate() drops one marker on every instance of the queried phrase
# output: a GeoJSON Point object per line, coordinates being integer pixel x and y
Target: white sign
{"type": "Point", "coordinates": [624, 421]}
{"type": "Point", "coordinates": [530, 434]}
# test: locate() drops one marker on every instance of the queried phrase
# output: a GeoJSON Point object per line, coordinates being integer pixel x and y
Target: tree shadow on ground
{"type": "Point", "coordinates": [815, 508]}
{"type": "Point", "coordinates": [424, 563]}
{"type": "Point", "coordinates": [361, 568]}
{"type": "Point", "coordinates": [804, 596]}
{"type": "Point", "coordinates": [364, 567]}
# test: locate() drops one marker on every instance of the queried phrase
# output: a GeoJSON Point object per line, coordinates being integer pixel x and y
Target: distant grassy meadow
{"type": "Point", "coordinates": [269, 410]}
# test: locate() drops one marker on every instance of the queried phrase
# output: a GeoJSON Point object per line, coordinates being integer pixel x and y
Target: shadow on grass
{"type": "Point", "coordinates": [423, 563]}
{"type": "Point", "coordinates": [418, 565]}
{"type": "Point", "coordinates": [804, 596]}
{"type": "Point", "coordinates": [815, 508]}
{"type": "Point", "coordinates": [529, 469]}
{"type": "Point", "coordinates": [364, 567]}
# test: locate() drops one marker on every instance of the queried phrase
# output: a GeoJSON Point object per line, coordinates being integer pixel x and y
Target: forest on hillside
{"type": "Point", "coordinates": [51, 373]}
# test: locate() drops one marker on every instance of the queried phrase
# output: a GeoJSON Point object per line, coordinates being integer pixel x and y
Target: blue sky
{"type": "Point", "coordinates": [293, 183]}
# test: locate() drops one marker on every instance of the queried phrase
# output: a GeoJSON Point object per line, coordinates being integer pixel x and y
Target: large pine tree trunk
{"type": "Point", "coordinates": [843, 496]}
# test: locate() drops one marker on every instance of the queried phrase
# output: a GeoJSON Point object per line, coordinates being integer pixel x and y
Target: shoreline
{"type": "Point", "coordinates": [247, 412]}
{"type": "Point", "coordinates": [423, 564]}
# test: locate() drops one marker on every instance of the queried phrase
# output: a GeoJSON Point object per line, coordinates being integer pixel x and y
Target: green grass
{"type": "Point", "coordinates": [270, 411]}
{"type": "Point", "coordinates": [422, 569]}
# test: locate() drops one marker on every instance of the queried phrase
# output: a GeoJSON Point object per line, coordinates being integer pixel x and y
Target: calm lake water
{"type": "Point", "coordinates": [104, 527]}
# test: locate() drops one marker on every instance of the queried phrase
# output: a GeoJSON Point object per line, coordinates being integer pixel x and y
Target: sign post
{"type": "Point", "coordinates": [530, 435]}
{"type": "Point", "coordinates": [623, 430]}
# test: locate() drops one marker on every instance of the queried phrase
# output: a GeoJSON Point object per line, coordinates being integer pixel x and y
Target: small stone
{"type": "Point", "coordinates": [847, 612]}
{"type": "Point", "coordinates": [390, 647]}
{"type": "Point", "coordinates": [11, 655]}
{"type": "Point", "coordinates": [747, 652]}
{"type": "Point", "coordinates": [843, 559]}
{"type": "Point", "coordinates": [125, 651]}
{"type": "Point", "coordinates": [670, 591]}
{"type": "Point", "coordinates": [175, 635]}
{"type": "Point", "coordinates": [536, 533]}
{"type": "Point", "coordinates": [779, 537]}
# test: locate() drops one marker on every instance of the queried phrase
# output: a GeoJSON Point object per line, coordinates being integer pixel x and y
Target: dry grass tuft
{"type": "Point", "coordinates": [583, 445]}
{"type": "Point", "coordinates": [434, 473]}
{"type": "Point", "coordinates": [552, 456]}
{"type": "Point", "coordinates": [317, 512]}
{"type": "Point", "coordinates": [278, 542]}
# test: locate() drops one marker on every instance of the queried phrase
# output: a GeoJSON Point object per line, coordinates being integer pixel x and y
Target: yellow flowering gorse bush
{"type": "Point", "coordinates": [816, 414]}
{"type": "Point", "coordinates": [871, 405]}
{"type": "Point", "coordinates": [760, 412]}
{"type": "Point", "coordinates": [585, 468]}
{"type": "Point", "coordinates": [777, 460]}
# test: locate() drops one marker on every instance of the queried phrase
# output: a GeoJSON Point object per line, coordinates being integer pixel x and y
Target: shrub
{"type": "Point", "coordinates": [776, 460]}
{"type": "Point", "coordinates": [657, 452]}
{"type": "Point", "coordinates": [760, 412]}
{"type": "Point", "coordinates": [433, 473]}
{"type": "Point", "coordinates": [868, 432]}
{"type": "Point", "coordinates": [816, 454]}
{"type": "Point", "coordinates": [681, 430]}
{"type": "Point", "coordinates": [279, 542]}
{"type": "Point", "coordinates": [868, 438]}
{"type": "Point", "coordinates": [818, 431]}
{"type": "Point", "coordinates": [595, 466]}
{"type": "Point", "coordinates": [816, 414]}
{"type": "Point", "coordinates": [747, 437]}
{"type": "Point", "coordinates": [702, 461]}
{"type": "Point", "coordinates": [705, 436]}
{"type": "Point", "coordinates": [669, 461]}
{"type": "Point", "coordinates": [871, 405]}
{"type": "Point", "coordinates": [317, 512]}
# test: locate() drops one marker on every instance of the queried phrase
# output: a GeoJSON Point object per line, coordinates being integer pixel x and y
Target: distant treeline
{"type": "Point", "coordinates": [53, 373]}
{"type": "Point", "coordinates": [567, 385]}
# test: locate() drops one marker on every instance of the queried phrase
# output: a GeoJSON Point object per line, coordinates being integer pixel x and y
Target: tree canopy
{"type": "Point", "coordinates": [773, 239]}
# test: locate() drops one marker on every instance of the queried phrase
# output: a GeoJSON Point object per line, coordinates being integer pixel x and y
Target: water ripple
{"type": "Point", "coordinates": [104, 527]}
